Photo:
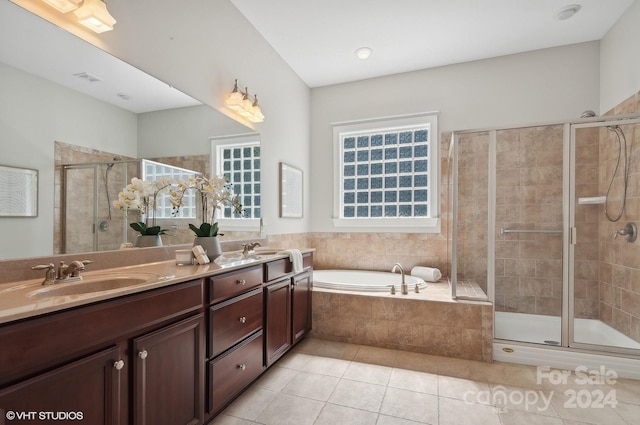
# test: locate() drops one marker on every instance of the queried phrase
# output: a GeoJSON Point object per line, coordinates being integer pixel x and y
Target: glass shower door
{"type": "Point", "coordinates": [529, 252]}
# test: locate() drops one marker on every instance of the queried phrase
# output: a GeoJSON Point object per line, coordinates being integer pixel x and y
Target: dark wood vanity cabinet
{"type": "Point", "coordinates": [90, 360]}
{"type": "Point", "coordinates": [278, 319]}
{"type": "Point", "coordinates": [301, 305]}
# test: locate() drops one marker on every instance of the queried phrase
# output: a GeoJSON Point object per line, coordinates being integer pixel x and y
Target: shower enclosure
{"type": "Point", "coordinates": [543, 220]}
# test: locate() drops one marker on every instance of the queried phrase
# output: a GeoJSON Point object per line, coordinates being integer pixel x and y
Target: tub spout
{"type": "Point", "coordinates": [403, 287]}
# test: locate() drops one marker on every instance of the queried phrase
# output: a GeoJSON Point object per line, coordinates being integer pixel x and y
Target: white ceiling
{"type": "Point", "coordinates": [318, 38]}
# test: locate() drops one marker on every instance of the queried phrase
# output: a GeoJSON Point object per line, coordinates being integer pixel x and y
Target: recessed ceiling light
{"type": "Point", "coordinates": [363, 52]}
{"type": "Point", "coordinates": [568, 12]}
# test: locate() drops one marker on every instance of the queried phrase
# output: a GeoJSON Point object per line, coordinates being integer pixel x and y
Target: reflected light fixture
{"type": "Point", "coordinates": [63, 6]}
{"type": "Point", "coordinates": [240, 102]}
{"type": "Point", "coordinates": [94, 15]}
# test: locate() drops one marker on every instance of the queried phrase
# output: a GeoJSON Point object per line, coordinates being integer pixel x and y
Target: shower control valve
{"type": "Point", "coordinates": [629, 231]}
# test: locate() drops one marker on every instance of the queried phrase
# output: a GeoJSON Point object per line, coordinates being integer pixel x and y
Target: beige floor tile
{"type": "Point", "coordinates": [456, 412]}
{"type": "Point", "coordinates": [627, 390]}
{"type": "Point", "coordinates": [311, 385]}
{"type": "Point", "coordinates": [516, 417]}
{"type": "Point", "coordinates": [375, 355]}
{"type": "Point", "coordinates": [568, 409]}
{"type": "Point", "coordinates": [223, 419]}
{"type": "Point", "coordinates": [531, 400]}
{"type": "Point", "coordinates": [390, 420]}
{"type": "Point", "coordinates": [276, 378]}
{"type": "Point", "coordinates": [251, 403]}
{"type": "Point", "coordinates": [464, 389]}
{"type": "Point", "coordinates": [327, 366]}
{"type": "Point", "coordinates": [309, 346]}
{"type": "Point", "coordinates": [414, 381]}
{"type": "Point", "coordinates": [410, 405]}
{"type": "Point", "coordinates": [297, 361]}
{"type": "Point", "coordinates": [370, 373]}
{"type": "Point", "coordinates": [286, 409]}
{"type": "Point", "coordinates": [334, 415]}
{"type": "Point", "coordinates": [359, 395]}
{"type": "Point", "coordinates": [629, 412]}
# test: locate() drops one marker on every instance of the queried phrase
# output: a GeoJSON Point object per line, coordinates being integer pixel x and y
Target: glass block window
{"type": "Point", "coordinates": [240, 164]}
{"type": "Point", "coordinates": [387, 171]}
{"type": "Point", "coordinates": [152, 170]}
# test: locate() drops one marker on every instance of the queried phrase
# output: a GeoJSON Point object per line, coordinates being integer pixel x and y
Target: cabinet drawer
{"type": "Point", "coordinates": [231, 373]}
{"type": "Point", "coordinates": [234, 283]}
{"type": "Point", "coordinates": [233, 320]}
{"type": "Point", "coordinates": [276, 269]}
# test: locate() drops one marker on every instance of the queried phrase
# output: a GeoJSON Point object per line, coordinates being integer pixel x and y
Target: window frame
{"type": "Point", "coordinates": [221, 142]}
{"type": "Point", "coordinates": [429, 224]}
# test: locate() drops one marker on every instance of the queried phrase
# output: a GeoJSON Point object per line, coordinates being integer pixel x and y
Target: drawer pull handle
{"type": "Point", "coordinates": [241, 281]}
{"type": "Point", "coordinates": [143, 354]}
{"type": "Point", "coordinates": [243, 319]}
{"type": "Point", "coordinates": [119, 364]}
{"type": "Point", "coordinates": [242, 366]}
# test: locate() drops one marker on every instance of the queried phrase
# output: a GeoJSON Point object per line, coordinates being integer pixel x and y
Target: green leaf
{"type": "Point", "coordinates": [144, 230]}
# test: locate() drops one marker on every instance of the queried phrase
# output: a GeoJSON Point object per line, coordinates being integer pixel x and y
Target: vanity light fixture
{"type": "Point", "coordinates": [240, 102]}
{"type": "Point", "coordinates": [63, 6]}
{"type": "Point", "coordinates": [94, 15]}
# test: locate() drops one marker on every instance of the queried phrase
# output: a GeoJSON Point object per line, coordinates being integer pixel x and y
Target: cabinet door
{"type": "Point", "coordinates": [301, 305]}
{"type": "Point", "coordinates": [278, 319]}
{"type": "Point", "coordinates": [169, 375]}
{"type": "Point", "coordinates": [84, 391]}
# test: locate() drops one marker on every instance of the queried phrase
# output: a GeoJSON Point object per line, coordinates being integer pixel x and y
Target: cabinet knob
{"type": "Point", "coordinates": [243, 319]}
{"type": "Point", "coordinates": [241, 281]}
{"type": "Point", "coordinates": [242, 366]}
{"type": "Point", "coordinates": [143, 354]}
{"type": "Point", "coordinates": [119, 364]}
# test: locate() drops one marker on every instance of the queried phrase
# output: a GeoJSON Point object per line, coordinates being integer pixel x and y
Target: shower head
{"type": "Point", "coordinates": [588, 114]}
{"type": "Point", "coordinates": [115, 159]}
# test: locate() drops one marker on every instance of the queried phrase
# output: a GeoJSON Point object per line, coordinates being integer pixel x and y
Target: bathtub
{"type": "Point", "coordinates": [546, 331]}
{"type": "Point", "coordinates": [363, 280]}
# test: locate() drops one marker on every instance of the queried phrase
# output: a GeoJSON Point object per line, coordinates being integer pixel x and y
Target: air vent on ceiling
{"type": "Point", "coordinates": [89, 77]}
{"type": "Point", "coordinates": [124, 96]}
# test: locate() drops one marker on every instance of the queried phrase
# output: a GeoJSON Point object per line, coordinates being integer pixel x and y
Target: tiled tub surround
{"type": "Point", "coordinates": [428, 322]}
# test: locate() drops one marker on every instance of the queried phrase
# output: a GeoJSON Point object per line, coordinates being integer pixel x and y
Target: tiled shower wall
{"type": "Point", "coordinates": [619, 271]}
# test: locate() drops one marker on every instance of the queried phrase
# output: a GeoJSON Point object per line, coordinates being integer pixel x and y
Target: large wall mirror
{"type": "Point", "coordinates": [90, 118]}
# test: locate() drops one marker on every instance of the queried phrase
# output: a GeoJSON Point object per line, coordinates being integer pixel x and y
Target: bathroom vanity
{"type": "Point", "coordinates": [177, 353]}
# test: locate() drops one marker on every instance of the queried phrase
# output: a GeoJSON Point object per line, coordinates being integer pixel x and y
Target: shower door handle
{"type": "Point", "coordinates": [573, 235]}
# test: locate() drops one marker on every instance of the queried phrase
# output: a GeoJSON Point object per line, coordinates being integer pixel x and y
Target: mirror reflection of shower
{"type": "Point", "coordinates": [103, 225]}
{"type": "Point", "coordinates": [623, 156]}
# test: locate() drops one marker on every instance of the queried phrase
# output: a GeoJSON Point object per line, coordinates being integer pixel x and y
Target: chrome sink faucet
{"type": "Point", "coordinates": [249, 247]}
{"type": "Point", "coordinates": [403, 287]}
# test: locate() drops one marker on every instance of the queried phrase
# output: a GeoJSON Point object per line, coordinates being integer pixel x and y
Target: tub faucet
{"type": "Point", "coordinates": [403, 287]}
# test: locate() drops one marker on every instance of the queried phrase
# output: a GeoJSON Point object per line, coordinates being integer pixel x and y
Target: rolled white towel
{"type": "Point", "coordinates": [428, 274]}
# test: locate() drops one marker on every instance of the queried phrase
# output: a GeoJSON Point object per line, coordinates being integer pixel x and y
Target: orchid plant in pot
{"type": "Point", "coordinates": [141, 195]}
{"type": "Point", "coordinates": [213, 193]}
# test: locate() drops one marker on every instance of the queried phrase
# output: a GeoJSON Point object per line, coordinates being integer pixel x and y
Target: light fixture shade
{"type": "Point", "coordinates": [234, 99]}
{"type": "Point", "coordinates": [94, 15]}
{"type": "Point", "coordinates": [63, 6]}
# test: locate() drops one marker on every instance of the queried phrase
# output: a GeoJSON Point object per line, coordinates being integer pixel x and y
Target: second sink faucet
{"type": "Point", "coordinates": [403, 287]}
{"type": "Point", "coordinates": [248, 247]}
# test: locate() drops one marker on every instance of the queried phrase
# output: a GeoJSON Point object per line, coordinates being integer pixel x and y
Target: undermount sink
{"type": "Point", "coordinates": [91, 284]}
